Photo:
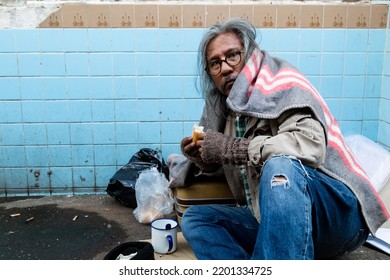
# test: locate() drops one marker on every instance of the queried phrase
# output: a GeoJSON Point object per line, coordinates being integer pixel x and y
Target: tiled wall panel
{"type": "Point", "coordinates": [384, 112]}
{"type": "Point", "coordinates": [82, 94]}
{"type": "Point", "coordinates": [200, 15]}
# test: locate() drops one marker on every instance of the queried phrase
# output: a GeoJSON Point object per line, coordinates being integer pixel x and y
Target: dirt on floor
{"type": "Point", "coordinates": [65, 228]}
{"type": "Point", "coordinates": [81, 227]}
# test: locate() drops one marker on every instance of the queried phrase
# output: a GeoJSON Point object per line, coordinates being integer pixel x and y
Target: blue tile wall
{"type": "Point", "coordinates": [75, 40]}
{"type": "Point", "coordinates": [309, 63]}
{"type": "Point", "coordinates": [53, 64]}
{"type": "Point", "coordinates": [52, 41]}
{"type": "Point", "coordinates": [310, 41]}
{"type": "Point", "coordinates": [76, 104]}
{"type": "Point", "coordinates": [384, 114]}
{"type": "Point", "coordinates": [28, 41]}
{"type": "Point", "coordinates": [122, 40]}
{"type": "Point", "coordinates": [287, 40]}
{"type": "Point", "coordinates": [100, 64]}
{"type": "Point", "coordinates": [355, 64]}
{"type": "Point", "coordinates": [373, 86]}
{"type": "Point", "coordinates": [123, 64]}
{"type": "Point", "coordinates": [356, 40]}
{"type": "Point", "coordinates": [332, 64]}
{"type": "Point", "coordinates": [11, 112]}
{"type": "Point", "coordinates": [333, 40]}
{"type": "Point", "coordinates": [77, 64]}
{"type": "Point", "coordinates": [376, 40]}
{"type": "Point", "coordinates": [9, 63]}
{"type": "Point", "coordinates": [61, 179]}
{"type": "Point", "coordinates": [353, 86]}
{"type": "Point", "coordinates": [7, 42]}
{"type": "Point", "coordinates": [370, 129]}
{"type": "Point", "coordinates": [58, 133]}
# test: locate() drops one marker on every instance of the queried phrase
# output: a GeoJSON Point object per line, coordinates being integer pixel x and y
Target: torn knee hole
{"type": "Point", "coordinates": [279, 180]}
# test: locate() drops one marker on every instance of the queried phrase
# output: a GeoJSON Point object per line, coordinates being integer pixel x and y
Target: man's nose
{"type": "Point", "coordinates": [225, 67]}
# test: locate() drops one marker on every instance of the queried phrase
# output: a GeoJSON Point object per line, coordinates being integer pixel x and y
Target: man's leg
{"type": "Point", "coordinates": [285, 230]}
{"type": "Point", "coordinates": [338, 224]}
{"type": "Point", "coordinates": [220, 232]}
{"type": "Point", "coordinates": [305, 213]}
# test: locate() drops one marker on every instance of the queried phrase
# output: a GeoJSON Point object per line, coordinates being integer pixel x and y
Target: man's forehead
{"type": "Point", "coordinates": [223, 43]}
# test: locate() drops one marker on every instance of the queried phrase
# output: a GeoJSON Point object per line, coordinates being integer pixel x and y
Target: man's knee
{"type": "Point", "coordinates": [282, 172]}
{"type": "Point", "coordinates": [280, 180]}
{"type": "Point", "coordinates": [192, 214]}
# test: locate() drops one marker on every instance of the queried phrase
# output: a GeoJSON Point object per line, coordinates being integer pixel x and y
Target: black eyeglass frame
{"type": "Point", "coordinates": [225, 60]}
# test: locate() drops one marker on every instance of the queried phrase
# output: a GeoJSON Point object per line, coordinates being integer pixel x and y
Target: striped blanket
{"type": "Point", "coordinates": [268, 86]}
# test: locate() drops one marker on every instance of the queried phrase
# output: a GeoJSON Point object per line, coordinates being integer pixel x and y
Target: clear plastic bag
{"type": "Point", "coordinates": [153, 199]}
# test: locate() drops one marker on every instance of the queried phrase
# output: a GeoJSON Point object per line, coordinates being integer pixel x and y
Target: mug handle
{"type": "Point", "coordinates": [170, 243]}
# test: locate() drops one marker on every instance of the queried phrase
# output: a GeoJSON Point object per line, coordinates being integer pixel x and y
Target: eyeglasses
{"type": "Point", "coordinates": [232, 59]}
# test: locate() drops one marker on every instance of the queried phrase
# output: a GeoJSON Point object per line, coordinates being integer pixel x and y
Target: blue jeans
{"type": "Point", "coordinates": [305, 214]}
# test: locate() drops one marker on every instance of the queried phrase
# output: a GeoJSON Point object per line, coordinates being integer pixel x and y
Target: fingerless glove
{"type": "Point", "coordinates": [222, 149]}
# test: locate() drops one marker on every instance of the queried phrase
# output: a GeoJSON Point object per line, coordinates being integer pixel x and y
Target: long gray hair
{"type": "Point", "coordinates": [245, 31]}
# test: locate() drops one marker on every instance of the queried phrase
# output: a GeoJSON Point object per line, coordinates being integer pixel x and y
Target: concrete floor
{"type": "Point", "coordinates": [101, 223]}
{"type": "Point", "coordinates": [82, 227]}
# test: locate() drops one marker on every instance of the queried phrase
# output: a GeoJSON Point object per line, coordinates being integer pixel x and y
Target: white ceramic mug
{"type": "Point", "coordinates": [164, 235]}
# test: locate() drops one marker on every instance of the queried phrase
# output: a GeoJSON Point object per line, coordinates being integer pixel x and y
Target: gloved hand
{"type": "Point", "coordinates": [222, 149]}
{"type": "Point", "coordinates": [197, 160]}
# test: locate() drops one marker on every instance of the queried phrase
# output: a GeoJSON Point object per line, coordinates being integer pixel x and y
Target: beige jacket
{"type": "Point", "coordinates": [295, 133]}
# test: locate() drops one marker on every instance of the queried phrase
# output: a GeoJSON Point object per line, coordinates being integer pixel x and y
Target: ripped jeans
{"type": "Point", "coordinates": [305, 214]}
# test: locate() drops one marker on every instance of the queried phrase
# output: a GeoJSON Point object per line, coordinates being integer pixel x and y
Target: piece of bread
{"type": "Point", "coordinates": [196, 129]}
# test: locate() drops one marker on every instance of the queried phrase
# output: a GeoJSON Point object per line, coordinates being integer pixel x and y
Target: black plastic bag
{"type": "Point", "coordinates": [122, 185]}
